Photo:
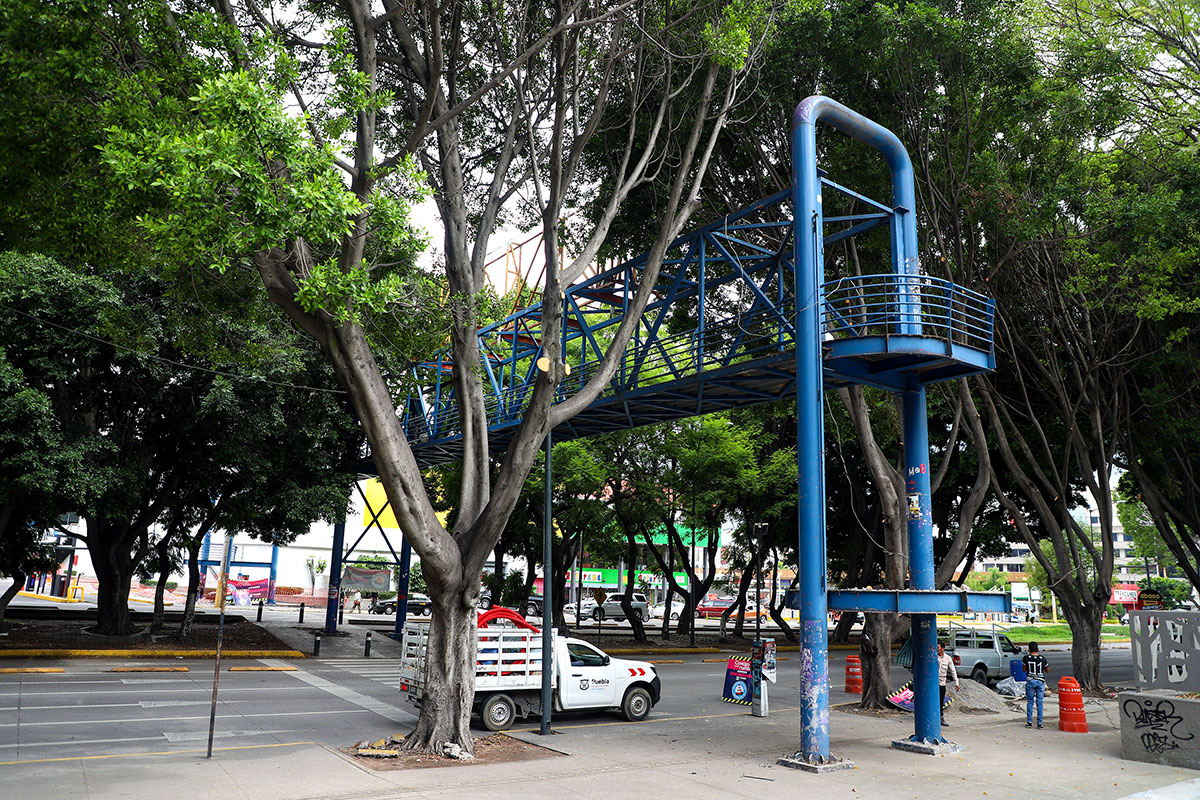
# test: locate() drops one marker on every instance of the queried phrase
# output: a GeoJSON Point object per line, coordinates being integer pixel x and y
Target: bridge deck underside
{"type": "Point", "coordinates": [737, 386]}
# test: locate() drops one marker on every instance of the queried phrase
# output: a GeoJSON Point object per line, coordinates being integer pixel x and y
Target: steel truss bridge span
{"type": "Point", "coordinates": [718, 333]}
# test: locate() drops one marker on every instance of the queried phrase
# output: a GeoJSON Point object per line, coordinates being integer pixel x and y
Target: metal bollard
{"type": "Point", "coordinates": [260, 605]}
{"type": "Point", "coordinates": [367, 652]}
{"type": "Point", "coordinates": [342, 615]}
{"type": "Point", "coordinates": [302, 612]}
{"type": "Point", "coordinates": [316, 644]}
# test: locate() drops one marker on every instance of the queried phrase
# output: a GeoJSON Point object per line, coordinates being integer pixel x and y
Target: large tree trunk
{"type": "Point", "coordinates": [1086, 622]}
{"type": "Point", "coordinates": [449, 677]}
{"type": "Point", "coordinates": [877, 667]}
{"type": "Point", "coordinates": [114, 572]}
{"type": "Point", "coordinates": [841, 629]}
{"type": "Point", "coordinates": [163, 549]}
{"type": "Point", "coordinates": [18, 583]}
{"type": "Point", "coordinates": [635, 620]}
{"type": "Point", "coordinates": [189, 607]}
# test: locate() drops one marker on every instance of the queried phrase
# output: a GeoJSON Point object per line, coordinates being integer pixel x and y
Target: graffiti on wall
{"type": "Point", "coordinates": [1156, 723]}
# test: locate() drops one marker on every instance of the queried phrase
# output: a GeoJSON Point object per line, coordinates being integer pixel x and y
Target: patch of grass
{"type": "Point", "coordinates": [1058, 633]}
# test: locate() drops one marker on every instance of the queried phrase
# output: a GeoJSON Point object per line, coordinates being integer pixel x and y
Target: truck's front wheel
{"type": "Point", "coordinates": [636, 705]}
{"type": "Point", "coordinates": [498, 712]}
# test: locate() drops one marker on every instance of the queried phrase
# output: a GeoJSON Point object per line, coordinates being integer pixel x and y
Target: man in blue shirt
{"type": "Point", "coordinates": [1035, 684]}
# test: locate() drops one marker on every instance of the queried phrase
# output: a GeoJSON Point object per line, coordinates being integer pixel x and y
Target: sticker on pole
{"type": "Point", "coordinates": [738, 681]}
{"type": "Point", "coordinates": [914, 506]}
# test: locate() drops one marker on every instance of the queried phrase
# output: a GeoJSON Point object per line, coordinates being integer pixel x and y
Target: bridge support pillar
{"type": "Point", "coordinates": [808, 254]}
{"type": "Point", "coordinates": [927, 716]}
{"type": "Point", "coordinates": [335, 577]}
{"type": "Point", "coordinates": [402, 581]}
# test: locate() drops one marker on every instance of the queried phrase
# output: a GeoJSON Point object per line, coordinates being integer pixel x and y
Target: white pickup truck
{"type": "Point", "coordinates": [983, 654]}
{"type": "Point", "coordinates": [508, 676]}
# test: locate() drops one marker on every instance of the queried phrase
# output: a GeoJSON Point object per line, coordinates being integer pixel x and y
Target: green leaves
{"type": "Point", "coordinates": [227, 173]}
{"type": "Point", "coordinates": [327, 288]}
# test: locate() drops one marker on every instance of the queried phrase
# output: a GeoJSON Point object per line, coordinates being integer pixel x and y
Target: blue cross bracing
{"type": "Point", "coordinates": [718, 333]}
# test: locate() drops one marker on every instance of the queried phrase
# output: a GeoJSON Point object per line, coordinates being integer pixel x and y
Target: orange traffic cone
{"type": "Point", "coordinates": [853, 675]}
{"type": "Point", "coordinates": [1070, 706]}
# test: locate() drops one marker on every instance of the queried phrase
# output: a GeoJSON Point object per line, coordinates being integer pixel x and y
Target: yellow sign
{"type": "Point", "coordinates": [376, 500]}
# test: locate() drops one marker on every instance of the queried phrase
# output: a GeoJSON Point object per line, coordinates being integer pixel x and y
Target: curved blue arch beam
{"type": "Point", "coordinates": [809, 258]}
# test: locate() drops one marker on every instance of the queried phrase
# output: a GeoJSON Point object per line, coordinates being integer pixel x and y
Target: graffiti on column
{"type": "Point", "coordinates": [1157, 723]}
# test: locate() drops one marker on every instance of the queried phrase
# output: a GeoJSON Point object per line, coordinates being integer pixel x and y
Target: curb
{"type": "Point", "coordinates": [666, 651]}
{"type": "Point", "coordinates": [150, 654]}
{"type": "Point", "coordinates": [682, 651]}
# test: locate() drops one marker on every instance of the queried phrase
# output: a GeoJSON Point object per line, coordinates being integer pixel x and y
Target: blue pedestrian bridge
{"type": "Point", "coordinates": [718, 333]}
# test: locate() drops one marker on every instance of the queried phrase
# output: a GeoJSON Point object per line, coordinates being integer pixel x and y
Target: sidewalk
{"type": "Point", "coordinates": [725, 756]}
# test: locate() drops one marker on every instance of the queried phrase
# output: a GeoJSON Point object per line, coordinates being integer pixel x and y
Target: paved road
{"type": "Point", "coordinates": [90, 710]}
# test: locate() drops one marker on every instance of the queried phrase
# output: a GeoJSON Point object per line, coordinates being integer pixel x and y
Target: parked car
{"type": "Point", "coordinates": [485, 600]}
{"type": "Point", "coordinates": [588, 605]}
{"type": "Point", "coordinates": [612, 607]}
{"type": "Point", "coordinates": [678, 608]}
{"type": "Point", "coordinates": [418, 605]}
{"type": "Point", "coordinates": [983, 654]}
{"type": "Point", "coordinates": [713, 609]}
{"type": "Point", "coordinates": [508, 676]}
{"type": "Point", "coordinates": [534, 605]}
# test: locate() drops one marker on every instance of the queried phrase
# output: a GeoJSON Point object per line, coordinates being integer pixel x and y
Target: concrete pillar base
{"type": "Point", "coordinates": [942, 748]}
{"type": "Point", "coordinates": [798, 762]}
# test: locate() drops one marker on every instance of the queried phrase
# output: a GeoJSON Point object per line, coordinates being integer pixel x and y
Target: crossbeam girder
{"type": "Point", "coordinates": [901, 601]}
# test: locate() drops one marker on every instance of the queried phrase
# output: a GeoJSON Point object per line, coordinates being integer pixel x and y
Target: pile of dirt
{"type": "Point", "coordinates": [72, 633]}
{"type": "Point", "coordinates": [975, 698]}
{"type": "Point", "coordinates": [389, 753]}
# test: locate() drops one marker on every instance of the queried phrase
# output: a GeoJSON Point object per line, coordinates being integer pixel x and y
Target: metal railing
{"type": "Point", "coordinates": [913, 305]}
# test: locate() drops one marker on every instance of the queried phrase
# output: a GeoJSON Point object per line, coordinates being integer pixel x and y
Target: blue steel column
{"type": "Point", "coordinates": [547, 592]}
{"type": "Point", "coordinates": [335, 576]}
{"type": "Point", "coordinates": [402, 589]}
{"type": "Point", "coordinates": [274, 574]}
{"type": "Point", "coordinates": [928, 714]}
{"type": "Point", "coordinates": [810, 440]}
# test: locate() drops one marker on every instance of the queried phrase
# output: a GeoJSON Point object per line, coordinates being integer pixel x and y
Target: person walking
{"type": "Point", "coordinates": [357, 602]}
{"type": "Point", "coordinates": [1035, 684]}
{"type": "Point", "coordinates": [946, 671]}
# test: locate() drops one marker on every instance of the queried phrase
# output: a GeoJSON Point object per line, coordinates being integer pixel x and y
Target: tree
{"type": "Point", "coordinates": [139, 429]}
{"type": "Point", "coordinates": [1148, 544]}
{"type": "Point", "coordinates": [988, 581]}
{"type": "Point", "coordinates": [488, 101]}
{"type": "Point", "coordinates": [127, 353]}
{"type": "Point", "coordinates": [43, 462]}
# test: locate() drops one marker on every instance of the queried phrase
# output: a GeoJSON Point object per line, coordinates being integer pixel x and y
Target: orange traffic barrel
{"type": "Point", "coordinates": [853, 675]}
{"type": "Point", "coordinates": [1070, 706]}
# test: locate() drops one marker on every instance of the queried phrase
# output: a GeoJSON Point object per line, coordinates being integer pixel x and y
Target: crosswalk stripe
{"type": "Point", "coordinates": [383, 671]}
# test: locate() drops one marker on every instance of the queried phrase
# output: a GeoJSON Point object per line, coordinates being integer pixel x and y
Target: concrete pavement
{"type": "Point", "coordinates": [713, 755]}
{"type": "Point", "coordinates": [716, 756]}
